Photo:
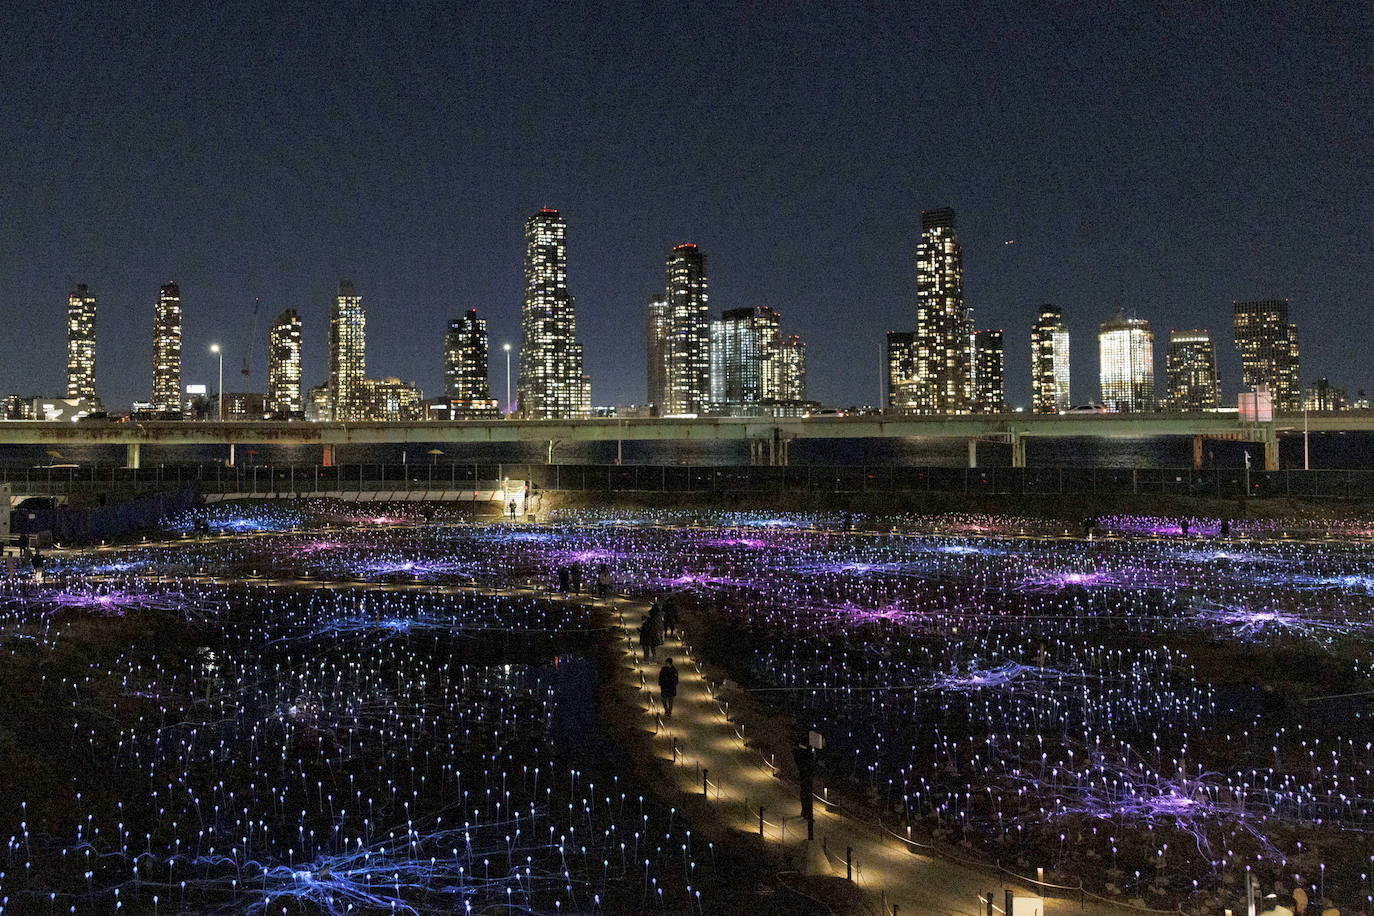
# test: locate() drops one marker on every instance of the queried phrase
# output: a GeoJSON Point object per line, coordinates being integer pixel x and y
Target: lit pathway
{"type": "Point", "coordinates": [740, 781]}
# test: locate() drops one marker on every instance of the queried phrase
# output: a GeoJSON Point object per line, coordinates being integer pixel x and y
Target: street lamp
{"type": "Point", "coordinates": [215, 348]}
{"type": "Point", "coordinates": [506, 347]}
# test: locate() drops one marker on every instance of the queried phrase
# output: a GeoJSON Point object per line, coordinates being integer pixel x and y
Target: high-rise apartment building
{"type": "Point", "coordinates": [551, 382]}
{"type": "Point", "coordinates": [1127, 364]}
{"type": "Point", "coordinates": [688, 388]}
{"type": "Point", "coordinates": [346, 384]}
{"type": "Point", "coordinates": [944, 327]}
{"type": "Point", "coordinates": [656, 353]}
{"type": "Point", "coordinates": [1268, 347]}
{"type": "Point", "coordinates": [745, 367]}
{"type": "Point", "coordinates": [284, 367]}
{"type": "Point", "coordinates": [390, 400]}
{"type": "Point", "coordinates": [81, 344]}
{"type": "Point", "coordinates": [989, 389]}
{"type": "Point", "coordinates": [1322, 396]}
{"type": "Point", "coordinates": [467, 384]}
{"type": "Point", "coordinates": [901, 370]}
{"type": "Point", "coordinates": [1191, 369]}
{"type": "Point", "coordinates": [790, 359]}
{"type": "Point", "coordinates": [1049, 362]}
{"type": "Point", "coordinates": [167, 351]}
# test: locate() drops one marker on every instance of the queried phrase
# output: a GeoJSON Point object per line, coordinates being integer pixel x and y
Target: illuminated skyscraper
{"type": "Point", "coordinates": [745, 367]}
{"type": "Point", "coordinates": [284, 366]}
{"type": "Point", "coordinates": [944, 328]}
{"type": "Point", "coordinates": [989, 391]}
{"type": "Point", "coordinates": [1049, 362]}
{"type": "Point", "coordinates": [901, 370]}
{"type": "Point", "coordinates": [81, 344]}
{"type": "Point", "coordinates": [466, 382]}
{"type": "Point", "coordinates": [1268, 347]}
{"type": "Point", "coordinates": [1191, 368]}
{"type": "Point", "coordinates": [656, 354]}
{"type": "Point", "coordinates": [790, 360]}
{"type": "Point", "coordinates": [1127, 364]}
{"type": "Point", "coordinates": [347, 389]}
{"type": "Point", "coordinates": [689, 333]}
{"type": "Point", "coordinates": [551, 383]}
{"type": "Point", "coordinates": [167, 351]}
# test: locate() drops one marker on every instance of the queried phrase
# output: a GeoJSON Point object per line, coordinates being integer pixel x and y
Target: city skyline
{"type": "Point", "coordinates": [1203, 170]}
{"type": "Point", "coordinates": [685, 350]}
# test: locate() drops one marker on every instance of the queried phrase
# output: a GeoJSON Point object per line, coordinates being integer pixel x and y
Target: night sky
{"type": "Point", "coordinates": [1168, 159]}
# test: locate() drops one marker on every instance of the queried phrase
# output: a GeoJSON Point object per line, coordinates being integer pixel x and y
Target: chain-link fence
{"type": "Point", "coordinates": [97, 482]}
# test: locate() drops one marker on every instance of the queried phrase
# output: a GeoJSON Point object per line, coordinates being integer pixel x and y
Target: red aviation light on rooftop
{"type": "Point", "coordinates": [548, 210]}
{"type": "Point", "coordinates": [684, 245]}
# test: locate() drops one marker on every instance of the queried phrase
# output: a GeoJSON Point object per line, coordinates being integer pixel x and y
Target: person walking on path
{"type": "Point", "coordinates": [512, 510]}
{"type": "Point", "coordinates": [564, 579]}
{"type": "Point", "coordinates": [650, 636]}
{"type": "Point", "coordinates": [577, 578]}
{"type": "Point", "coordinates": [667, 686]}
{"type": "Point", "coordinates": [805, 757]}
{"type": "Point", "coordinates": [669, 616]}
{"type": "Point", "coordinates": [603, 585]}
{"type": "Point", "coordinates": [38, 561]}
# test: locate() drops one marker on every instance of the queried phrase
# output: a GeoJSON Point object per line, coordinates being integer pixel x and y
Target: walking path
{"type": "Point", "coordinates": [710, 757]}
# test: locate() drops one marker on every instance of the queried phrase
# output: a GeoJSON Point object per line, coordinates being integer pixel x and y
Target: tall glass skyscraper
{"type": "Point", "coordinates": [552, 384]}
{"type": "Point", "coordinates": [284, 366]}
{"type": "Point", "coordinates": [347, 383]}
{"type": "Point", "coordinates": [81, 343]}
{"type": "Point", "coordinates": [1268, 347]}
{"type": "Point", "coordinates": [790, 362]}
{"type": "Point", "coordinates": [1049, 361]}
{"type": "Point", "coordinates": [989, 388]}
{"type": "Point", "coordinates": [467, 384]}
{"type": "Point", "coordinates": [1127, 364]}
{"type": "Point", "coordinates": [1191, 370]}
{"type": "Point", "coordinates": [688, 389]}
{"type": "Point", "coordinates": [944, 327]}
{"type": "Point", "coordinates": [901, 370]}
{"type": "Point", "coordinates": [656, 353]}
{"type": "Point", "coordinates": [167, 351]}
{"type": "Point", "coordinates": [745, 366]}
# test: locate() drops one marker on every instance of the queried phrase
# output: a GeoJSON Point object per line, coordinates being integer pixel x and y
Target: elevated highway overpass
{"type": "Point", "coordinates": [768, 437]}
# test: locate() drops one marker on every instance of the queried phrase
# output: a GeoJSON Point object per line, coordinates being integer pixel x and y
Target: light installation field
{"type": "Point", "coordinates": [1155, 716]}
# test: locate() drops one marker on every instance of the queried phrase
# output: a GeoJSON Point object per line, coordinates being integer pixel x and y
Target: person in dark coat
{"type": "Point", "coordinates": [669, 615]}
{"type": "Point", "coordinates": [577, 578]}
{"type": "Point", "coordinates": [1226, 527]}
{"type": "Point", "coordinates": [805, 757]}
{"type": "Point", "coordinates": [603, 587]}
{"type": "Point", "coordinates": [650, 636]}
{"type": "Point", "coordinates": [564, 579]}
{"type": "Point", "coordinates": [38, 562]}
{"type": "Point", "coordinates": [667, 686]}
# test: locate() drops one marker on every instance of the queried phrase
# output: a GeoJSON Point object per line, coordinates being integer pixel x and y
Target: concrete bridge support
{"type": "Point", "coordinates": [973, 453]}
{"type": "Point", "coordinates": [328, 455]}
{"type": "Point", "coordinates": [1271, 448]}
{"type": "Point", "coordinates": [133, 459]}
{"type": "Point", "coordinates": [1018, 449]}
{"type": "Point", "coordinates": [773, 451]}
